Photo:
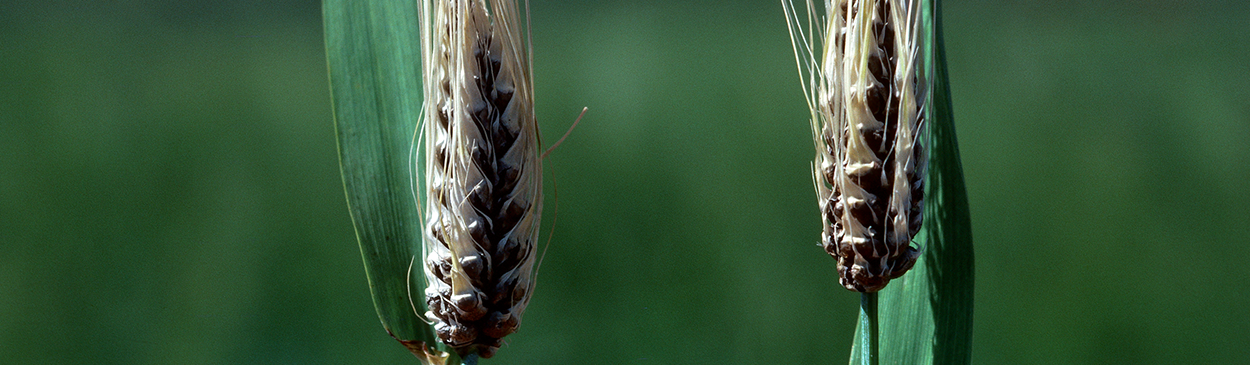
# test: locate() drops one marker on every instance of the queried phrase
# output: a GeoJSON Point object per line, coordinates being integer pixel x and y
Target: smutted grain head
{"type": "Point", "coordinates": [864, 74]}
{"type": "Point", "coordinates": [483, 178]}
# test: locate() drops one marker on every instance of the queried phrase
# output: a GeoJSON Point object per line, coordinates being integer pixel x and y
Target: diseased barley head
{"type": "Point", "coordinates": [483, 179]}
{"type": "Point", "coordinates": [865, 77]}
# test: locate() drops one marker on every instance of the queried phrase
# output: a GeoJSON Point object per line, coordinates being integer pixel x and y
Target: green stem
{"type": "Point", "coordinates": [868, 321]}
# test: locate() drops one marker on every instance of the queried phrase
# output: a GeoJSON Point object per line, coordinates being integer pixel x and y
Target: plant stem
{"type": "Point", "coordinates": [868, 322]}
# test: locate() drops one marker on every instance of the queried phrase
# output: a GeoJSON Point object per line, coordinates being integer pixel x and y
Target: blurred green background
{"type": "Point", "coordinates": [170, 188]}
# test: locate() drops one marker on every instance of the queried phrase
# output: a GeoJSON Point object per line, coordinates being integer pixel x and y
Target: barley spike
{"type": "Point", "coordinates": [483, 178]}
{"type": "Point", "coordinates": [864, 79]}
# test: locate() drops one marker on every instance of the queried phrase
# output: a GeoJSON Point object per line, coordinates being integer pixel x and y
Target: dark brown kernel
{"type": "Point", "coordinates": [502, 98]}
{"type": "Point", "coordinates": [501, 137]}
{"type": "Point", "coordinates": [870, 181]}
{"type": "Point", "coordinates": [481, 114]}
{"type": "Point", "coordinates": [476, 268]}
{"type": "Point", "coordinates": [503, 291]}
{"type": "Point", "coordinates": [500, 324]}
{"type": "Point", "coordinates": [477, 230]}
{"type": "Point", "coordinates": [508, 179]}
{"type": "Point", "coordinates": [479, 196]}
{"type": "Point", "coordinates": [875, 97]}
{"type": "Point", "coordinates": [469, 306]}
{"type": "Point", "coordinates": [519, 291]}
{"type": "Point", "coordinates": [862, 212]}
{"type": "Point", "coordinates": [511, 214]}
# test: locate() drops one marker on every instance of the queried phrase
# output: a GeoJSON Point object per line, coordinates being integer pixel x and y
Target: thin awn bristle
{"type": "Point", "coordinates": [866, 93]}
{"type": "Point", "coordinates": [482, 175]}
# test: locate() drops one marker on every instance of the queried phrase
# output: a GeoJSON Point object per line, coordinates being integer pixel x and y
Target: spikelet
{"type": "Point", "coordinates": [483, 178]}
{"type": "Point", "coordinates": [867, 95]}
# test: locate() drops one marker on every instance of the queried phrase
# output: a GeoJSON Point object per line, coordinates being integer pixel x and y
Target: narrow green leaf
{"type": "Point", "coordinates": [373, 55]}
{"type": "Point", "coordinates": [925, 317]}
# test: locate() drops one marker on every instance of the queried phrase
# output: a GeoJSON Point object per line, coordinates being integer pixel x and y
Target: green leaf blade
{"type": "Point", "coordinates": [373, 58]}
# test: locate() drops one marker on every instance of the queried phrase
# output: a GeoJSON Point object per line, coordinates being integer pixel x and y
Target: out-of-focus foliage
{"type": "Point", "coordinates": [171, 194]}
